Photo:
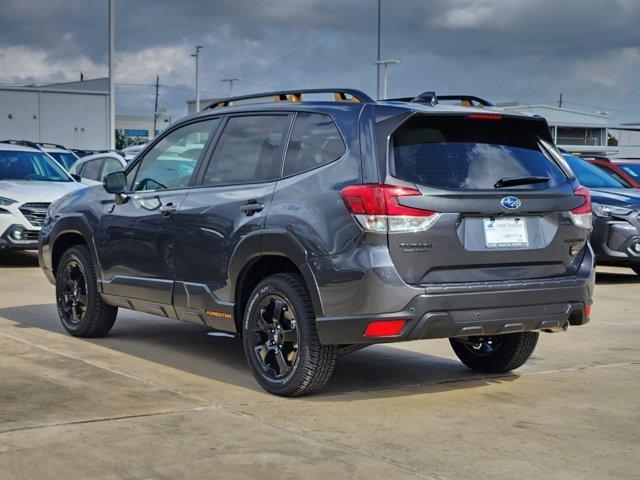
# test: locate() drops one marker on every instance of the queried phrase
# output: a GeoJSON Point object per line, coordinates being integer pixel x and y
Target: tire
{"type": "Point", "coordinates": [280, 339]}
{"type": "Point", "coordinates": [636, 268]}
{"type": "Point", "coordinates": [496, 354]}
{"type": "Point", "coordinates": [89, 316]}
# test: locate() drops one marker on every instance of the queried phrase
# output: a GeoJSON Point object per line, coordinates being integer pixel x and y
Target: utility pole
{"type": "Point", "coordinates": [155, 108]}
{"type": "Point", "coordinates": [378, 58]}
{"type": "Point", "coordinates": [560, 101]}
{"type": "Point", "coordinates": [112, 84]}
{"type": "Point", "coordinates": [385, 71]}
{"type": "Point", "coordinates": [197, 57]}
{"type": "Point", "coordinates": [230, 80]}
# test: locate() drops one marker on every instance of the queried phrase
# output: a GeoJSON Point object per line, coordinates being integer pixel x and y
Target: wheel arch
{"type": "Point", "coordinates": [265, 253]}
{"type": "Point", "coordinates": [69, 232]}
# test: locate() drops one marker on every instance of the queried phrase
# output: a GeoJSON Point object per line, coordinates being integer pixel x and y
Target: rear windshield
{"type": "Point", "coordinates": [464, 153]}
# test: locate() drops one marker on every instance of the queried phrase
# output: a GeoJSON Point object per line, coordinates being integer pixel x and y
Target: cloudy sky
{"type": "Point", "coordinates": [527, 50]}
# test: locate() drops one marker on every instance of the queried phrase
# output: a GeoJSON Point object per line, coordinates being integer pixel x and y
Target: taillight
{"type": "Point", "coordinates": [581, 216]}
{"type": "Point", "coordinates": [376, 208]}
{"type": "Point", "coordinates": [384, 328]}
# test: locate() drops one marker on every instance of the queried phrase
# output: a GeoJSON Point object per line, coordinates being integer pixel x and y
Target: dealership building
{"type": "Point", "coordinates": [585, 132]}
{"type": "Point", "coordinates": [73, 114]}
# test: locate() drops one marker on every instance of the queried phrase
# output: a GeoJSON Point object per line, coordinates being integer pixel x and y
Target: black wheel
{"type": "Point", "coordinates": [497, 353]}
{"type": "Point", "coordinates": [280, 339]}
{"type": "Point", "coordinates": [82, 311]}
{"type": "Point", "coordinates": [636, 268]}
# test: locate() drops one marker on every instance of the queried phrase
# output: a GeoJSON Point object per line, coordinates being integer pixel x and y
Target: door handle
{"type": "Point", "coordinates": [251, 208]}
{"type": "Point", "coordinates": [168, 209]}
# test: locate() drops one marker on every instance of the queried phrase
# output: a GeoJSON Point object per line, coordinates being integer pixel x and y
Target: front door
{"type": "Point", "coordinates": [231, 201]}
{"type": "Point", "coordinates": [138, 240]}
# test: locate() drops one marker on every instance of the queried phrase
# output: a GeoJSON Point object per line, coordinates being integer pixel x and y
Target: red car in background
{"type": "Point", "coordinates": [626, 170]}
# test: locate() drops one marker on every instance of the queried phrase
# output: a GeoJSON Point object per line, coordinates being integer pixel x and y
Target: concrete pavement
{"type": "Point", "coordinates": [160, 399]}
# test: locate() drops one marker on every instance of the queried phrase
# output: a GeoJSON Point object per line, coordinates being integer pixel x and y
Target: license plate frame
{"type": "Point", "coordinates": [505, 232]}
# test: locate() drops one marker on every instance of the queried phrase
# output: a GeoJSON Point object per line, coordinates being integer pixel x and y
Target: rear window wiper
{"type": "Point", "coordinates": [515, 181]}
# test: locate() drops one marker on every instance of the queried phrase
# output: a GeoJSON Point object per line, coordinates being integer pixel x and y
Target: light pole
{"type": "Point", "coordinates": [230, 80]}
{"type": "Point", "coordinates": [112, 85]}
{"type": "Point", "coordinates": [378, 58]}
{"type": "Point", "coordinates": [385, 64]}
{"type": "Point", "coordinates": [197, 57]}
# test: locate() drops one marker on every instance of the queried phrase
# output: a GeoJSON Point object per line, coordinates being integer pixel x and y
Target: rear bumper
{"type": "Point", "coordinates": [488, 308]}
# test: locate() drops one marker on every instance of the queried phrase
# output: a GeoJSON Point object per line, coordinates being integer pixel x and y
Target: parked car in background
{"type": "Point", "coordinates": [626, 171]}
{"type": "Point", "coordinates": [92, 169]}
{"type": "Point", "coordinates": [129, 153]}
{"type": "Point", "coordinates": [309, 228]}
{"type": "Point", "coordinates": [616, 215]}
{"type": "Point", "coordinates": [29, 181]}
{"type": "Point", "coordinates": [60, 154]}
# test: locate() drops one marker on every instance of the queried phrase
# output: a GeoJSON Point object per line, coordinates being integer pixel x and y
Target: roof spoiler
{"type": "Point", "coordinates": [295, 96]}
{"type": "Point", "coordinates": [430, 98]}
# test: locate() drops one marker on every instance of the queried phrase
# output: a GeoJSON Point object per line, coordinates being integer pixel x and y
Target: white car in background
{"type": "Point", "coordinates": [60, 154]}
{"type": "Point", "coordinates": [29, 181]}
{"type": "Point", "coordinates": [131, 152]}
{"type": "Point", "coordinates": [92, 169]}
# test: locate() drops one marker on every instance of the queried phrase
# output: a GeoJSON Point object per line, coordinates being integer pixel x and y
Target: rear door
{"type": "Point", "coordinates": [500, 194]}
{"type": "Point", "coordinates": [231, 201]}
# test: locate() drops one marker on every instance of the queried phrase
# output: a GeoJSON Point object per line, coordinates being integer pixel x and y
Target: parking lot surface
{"type": "Point", "coordinates": [161, 399]}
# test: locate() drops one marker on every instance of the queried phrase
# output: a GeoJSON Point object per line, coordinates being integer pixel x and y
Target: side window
{"type": "Point", "coordinates": [248, 151]}
{"type": "Point", "coordinates": [110, 165]}
{"type": "Point", "coordinates": [91, 170]}
{"type": "Point", "coordinates": [171, 162]}
{"type": "Point", "coordinates": [315, 141]}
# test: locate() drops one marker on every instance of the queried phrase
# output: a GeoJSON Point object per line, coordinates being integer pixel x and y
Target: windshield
{"type": "Point", "coordinates": [632, 169]}
{"type": "Point", "coordinates": [590, 176]}
{"type": "Point", "coordinates": [34, 166]}
{"type": "Point", "coordinates": [471, 154]}
{"type": "Point", "coordinates": [63, 158]}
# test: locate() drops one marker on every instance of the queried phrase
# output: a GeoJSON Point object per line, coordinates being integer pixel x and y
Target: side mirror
{"type": "Point", "coordinates": [115, 182]}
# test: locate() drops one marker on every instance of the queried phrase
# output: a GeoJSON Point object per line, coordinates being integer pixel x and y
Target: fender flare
{"type": "Point", "coordinates": [276, 242]}
{"type": "Point", "coordinates": [76, 224]}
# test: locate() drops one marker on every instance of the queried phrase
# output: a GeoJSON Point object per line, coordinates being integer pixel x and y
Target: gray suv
{"type": "Point", "coordinates": [313, 223]}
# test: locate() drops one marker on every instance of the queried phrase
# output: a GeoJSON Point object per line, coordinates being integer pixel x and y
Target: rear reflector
{"type": "Point", "coordinates": [384, 328]}
{"type": "Point", "coordinates": [484, 116]}
{"type": "Point", "coordinates": [587, 311]}
{"type": "Point", "coordinates": [581, 216]}
{"type": "Point", "coordinates": [376, 207]}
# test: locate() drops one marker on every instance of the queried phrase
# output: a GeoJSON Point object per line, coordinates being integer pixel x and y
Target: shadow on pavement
{"type": "Point", "coordinates": [375, 372]}
{"type": "Point", "coordinates": [18, 259]}
{"type": "Point", "coordinates": [609, 278]}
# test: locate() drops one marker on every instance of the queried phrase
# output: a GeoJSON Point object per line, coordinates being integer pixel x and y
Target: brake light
{"type": "Point", "coordinates": [384, 328]}
{"type": "Point", "coordinates": [581, 215]}
{"type": "Point", "coordinates": [484, 116]}
{"type": "Point", "coordinates": [376, 208]}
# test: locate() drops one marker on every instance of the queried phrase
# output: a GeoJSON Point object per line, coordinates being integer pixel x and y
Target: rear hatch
{"type": "Point", "coordinates": [502, 198]}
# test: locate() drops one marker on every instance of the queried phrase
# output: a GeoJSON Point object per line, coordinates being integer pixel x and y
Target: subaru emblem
{"type": "Point", "coordinates": [511, 203]}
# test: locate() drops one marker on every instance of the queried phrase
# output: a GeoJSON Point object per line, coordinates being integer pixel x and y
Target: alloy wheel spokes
{"type": "Point", "coordinates": [276, 337]}
{"type": "Point", "coordinates": [74, 292]}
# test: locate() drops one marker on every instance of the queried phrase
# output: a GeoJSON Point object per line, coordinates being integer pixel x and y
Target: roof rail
{"type": "Point", "coordinates": [294, 96]}
{"type": "Point", "coordinates": [430, 98]}
{"type": "Point", "coordinates": [51, 145]}
{"type": "Point", "coordinates": [23, 143]}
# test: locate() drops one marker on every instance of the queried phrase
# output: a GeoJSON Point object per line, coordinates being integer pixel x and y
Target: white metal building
{"type": "Point", "coordinates": [74, 117]}
{"type": "Point", "coordinates": [571, 129]}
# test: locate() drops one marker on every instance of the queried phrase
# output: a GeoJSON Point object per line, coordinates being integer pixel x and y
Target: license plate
{"type": "Point", "coordinates": [505, 232]}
